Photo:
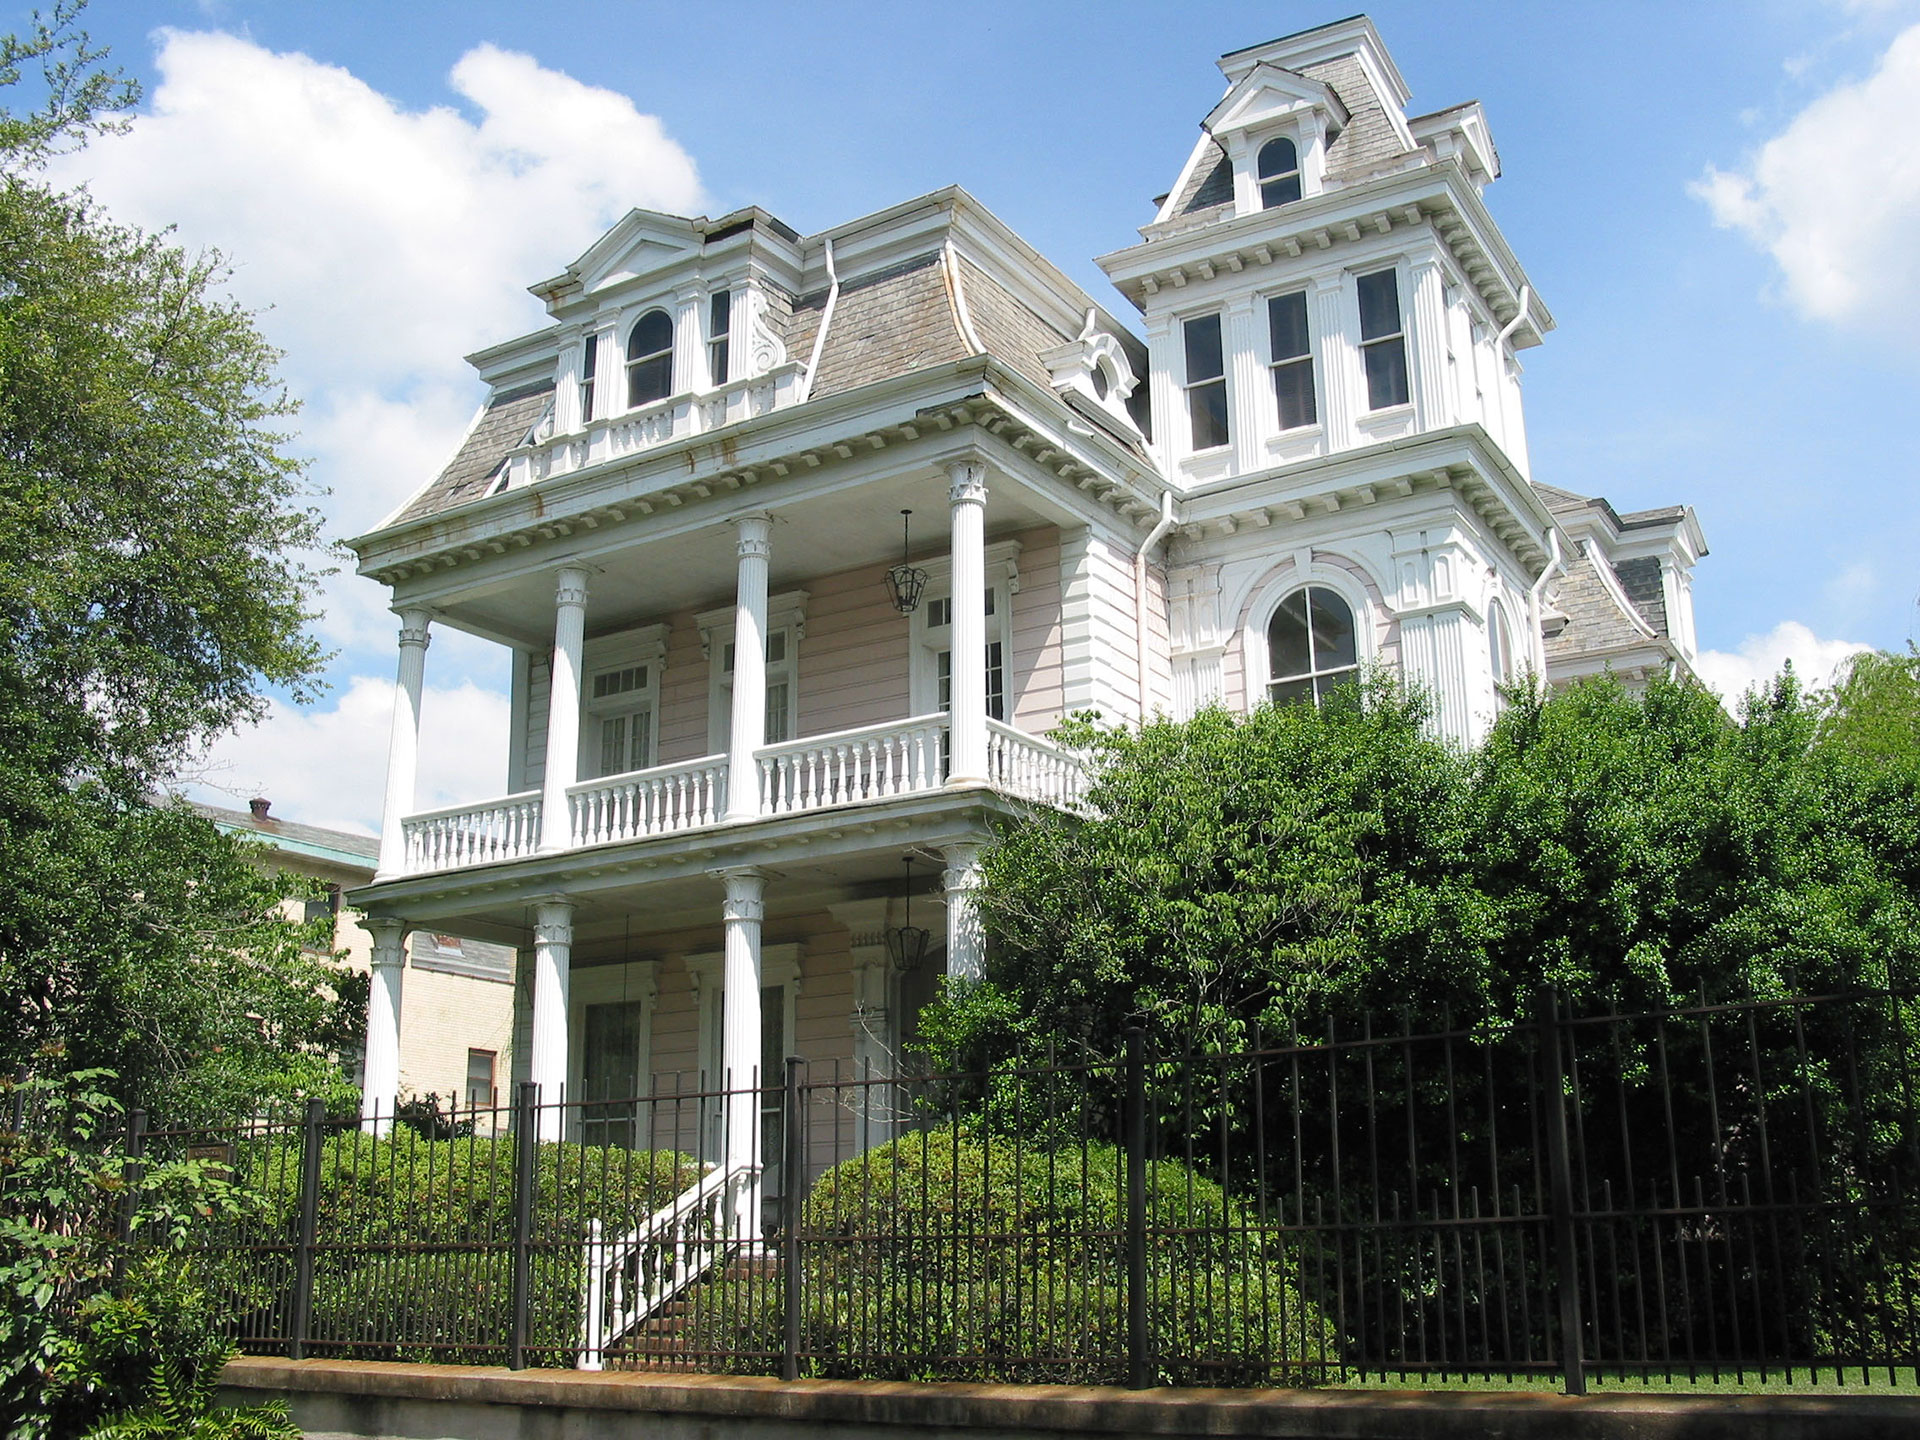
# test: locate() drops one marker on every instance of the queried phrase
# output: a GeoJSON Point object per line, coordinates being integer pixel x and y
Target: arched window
{"type": "Point", "coordinates": [1312, 647]}
{"type": "Point", "coordinates": [650, 359]}
{"type": "Point", "coordinates": [1499, 643]}
{"type": "Point", "coordinates": [1279, 173]}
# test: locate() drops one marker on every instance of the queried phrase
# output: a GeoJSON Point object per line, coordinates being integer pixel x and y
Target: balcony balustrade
{"type": "Point", "coordinates": [878, 762]}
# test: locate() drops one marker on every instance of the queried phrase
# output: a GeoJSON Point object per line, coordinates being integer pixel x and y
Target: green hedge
{"type": "Point", "coordinates": [954, 1255]}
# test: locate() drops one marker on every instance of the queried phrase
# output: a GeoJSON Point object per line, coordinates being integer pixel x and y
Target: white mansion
{"type": "Point", "coordinates": [754, 723]}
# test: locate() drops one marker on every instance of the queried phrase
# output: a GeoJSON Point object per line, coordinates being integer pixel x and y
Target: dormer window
{"type": "Point", "coordinates": [650, 359]}
{"type": "Point", "coordinates": [719, 325]}
{"type": "Point", "coordinates": [589, 359]}
{"type": "Point", "coordinates": [1279, 169]}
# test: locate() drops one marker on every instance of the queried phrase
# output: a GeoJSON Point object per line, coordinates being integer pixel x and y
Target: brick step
{"type": "Point", "coordinates": [661, 1336]}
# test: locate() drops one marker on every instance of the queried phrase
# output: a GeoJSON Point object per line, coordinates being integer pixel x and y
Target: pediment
{"type": "Point", "coordinates": [1267, 93]}
{"type": "Point", "coordinates": [641, 242]}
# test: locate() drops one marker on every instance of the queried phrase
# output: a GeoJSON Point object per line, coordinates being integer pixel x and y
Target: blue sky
{"type": "Point", "coordinates": [1749, 345]}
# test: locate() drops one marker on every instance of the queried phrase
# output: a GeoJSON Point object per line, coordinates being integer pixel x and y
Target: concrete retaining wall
{"type": "Point", "coordinates": [368, 1401]}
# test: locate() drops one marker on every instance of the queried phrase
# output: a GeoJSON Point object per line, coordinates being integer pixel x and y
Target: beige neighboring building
{"type": "Point", "coordinates": [456, 1037]}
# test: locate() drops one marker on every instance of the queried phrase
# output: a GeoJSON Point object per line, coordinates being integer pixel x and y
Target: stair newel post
{"type": "Point", "coordinates": [313, 1132]}
{"type": "Point", "coordinates": [1139, 1356]}
{"type": "Point", "coordinates": [526, 1101]}
{"type": "Point", "coordinates": [792, 1171]}
{"type": "Point", "coordinates": [1560, 1172]}
{"type": "Point", "coordinates": [593, 1315]}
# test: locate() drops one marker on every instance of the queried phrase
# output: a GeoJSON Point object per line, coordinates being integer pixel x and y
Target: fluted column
{"type": "Point", "coordinates": [748, 731]}
{"type": "Point", "coordinates": [743, 912]}
{"type": "Point", "coordinates": [1336, 336]}
{"type": "Point", "coordinates": [563, 708]}
{"type": "Point", "coordinates": [967, 511]}
{"type": "Point", "coordinates": [552, 974]}
{"type": "Point", "coordinates": [403, 747]}
{"type": "Point", "coordinates": [966, 939]}
{"type": "Point", "coordinates": [380, 1069]}
{"type": "Point", "coordinates": [1427, 323]}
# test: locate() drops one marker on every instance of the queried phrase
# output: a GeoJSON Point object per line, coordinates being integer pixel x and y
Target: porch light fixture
{"type": "Point", "coordinates": [906, 580]}
{"type": "Point", "coordinates": [907, 943]}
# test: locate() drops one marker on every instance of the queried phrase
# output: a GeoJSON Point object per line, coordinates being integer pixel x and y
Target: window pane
{"type": "Point", "coordinates": [649, 380]}
{"type": "Point", "coordinates": [717, 355]}
{"type": "Point", "coordinates": [720, 313]}
{"type": "Point", "coordinates": [1290, 692]}
{"type": "Point", "coordinates": [1379, 305]}
{"type": "Point", "coordinates": [776, 647]}
{"type": "Point", "coordinates": [1338, 691]}
{"type": "Point", "coordinates": [943, 679]}
{"type": "Point", "coordinates": [1287, 325]}
{"type": "Point", "coordinates": [652, 333]}
{"type": "Point", "coordinates": [777, 713]}
{"type": "Point", "coordinates": [1386, 373]}
{"type": "Point", "coordinates": [1207, 404]}
{"type": "Point", "coordinates": [479, 1079]}
{"type": "Point", "coordinates": [996, 682]}
{"type": "Point", "coordinates": [1293, 385]}
{"type": "Point", "coordinates": [1287, 648]}
{"type": "Point", "coordinates": [1333, 638]}
{"type": "Point", "coordinates": [613, 745]}
{"type": "Point", "coordinates": [640, 727]}
{"type": "Point", "coordinates": [1283, 191]}
{"type": "Point", "coordinates": [1203, 349]}
{"type": "Point", "coordinates": [1278, 157]}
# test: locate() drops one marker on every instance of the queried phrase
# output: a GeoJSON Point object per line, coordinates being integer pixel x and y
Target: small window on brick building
{"type": "Point", "coordinates": [480, 1065]}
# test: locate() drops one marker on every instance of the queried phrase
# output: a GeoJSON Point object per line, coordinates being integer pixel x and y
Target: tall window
{"type": "Point", "coordinates": [1383, 340]}
{"type": "Point", "coordinates": [650, 359]}
{"type": "Point", "coordinates": [480, 1079]}
{"type": "Point", "coordinates": [719, 327]}
{"type": "Point", "coordinates": [589, 361]}
{"type": "Point", "coordinates": [621, 706]}
{"type": "Point", "coordinates": [940, 633]}
{"type": "Point", "coordinates": [780, 695]}
{"type": "Point", "coordinates": [1279, 173]}
{"type": "Point", "coordinates": [610, 1080]}
{"type": "Point", "coordinates": [1292, 360]}
{"type": "Point", "coordinates": [1312, 647]}
{"type": "Point", "coordinates": [1206, 382]}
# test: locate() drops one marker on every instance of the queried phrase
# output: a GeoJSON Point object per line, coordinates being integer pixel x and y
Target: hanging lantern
{"type": "Point", "coordinates": [907, 942]}
{"type": "Point", "coordinates": [905, 581]}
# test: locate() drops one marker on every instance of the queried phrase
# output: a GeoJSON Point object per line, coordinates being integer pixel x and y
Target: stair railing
{"type": "Point", "coordinates": [632, 1279]}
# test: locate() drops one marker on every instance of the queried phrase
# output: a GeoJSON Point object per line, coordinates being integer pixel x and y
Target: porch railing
{"type": "Point", "coordinates": [1033, 769]}
{"type": "Point", "coordinates": [660, 801]}
{"type": "Point", "coordinates": [900, 757]}
{"type": "Point", "coordinates": [473, 834]}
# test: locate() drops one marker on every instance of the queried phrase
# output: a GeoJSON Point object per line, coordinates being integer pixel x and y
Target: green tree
{"type": "Point", "coordinates": [154, 527]}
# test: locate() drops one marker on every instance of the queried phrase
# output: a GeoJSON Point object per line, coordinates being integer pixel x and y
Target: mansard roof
{"type": "Point", "coordinates": [926, 283]}
{"type": "Point", "coordinates": [1611, 602]}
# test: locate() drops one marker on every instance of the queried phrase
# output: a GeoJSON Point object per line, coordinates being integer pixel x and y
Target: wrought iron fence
{"type": "Point", "coordinates": [1709, 1191]}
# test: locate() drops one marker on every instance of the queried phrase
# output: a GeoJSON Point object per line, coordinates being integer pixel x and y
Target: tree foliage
{"type": "Point", "coordinates": [1294, 864]}
{"type": "Point", "coordinates": [154, 526]}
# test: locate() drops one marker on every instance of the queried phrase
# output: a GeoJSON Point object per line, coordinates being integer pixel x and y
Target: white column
{"type": "Point", "coordinates": [1426, 320]}
{"type": "Point", "coordinates": [1337, 358]}
{"type": "Point", "coordinates": [552, 972]}
{"type": "Point", "coordinates": [563, 709]}
{"type": "Point", "coordinates": [967, 508]}
{"type": "Point", "coordinates": [403, 747]}
{"type": "Point", "coordinates": [966, 940]}
{"type": "Point", "coordinates": [740, 1040]}
{"type": "Point", "coordinates": [1252, 413]}
{"type": "Point", "coordinates": [380, 1071]}
{"type": "Point", "coordinates": [748, 731]}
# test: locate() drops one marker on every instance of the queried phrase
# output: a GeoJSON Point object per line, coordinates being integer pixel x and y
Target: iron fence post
{"type": "Point", "coordinates": [791, 1171]}
{"type": "Point", "coordinates": [1566, 1261]}
{"type": "Point", "coordinates": [132, 1174]}
{"type": "Point", "coordinates": [313, 1126]}
{"type": "Point", "coordinates": [1139, 1345]}
{"type": "Point", "coordinates": [526, 1102]}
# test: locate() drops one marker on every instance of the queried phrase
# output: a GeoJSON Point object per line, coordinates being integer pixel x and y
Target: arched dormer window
{"type": "Point", "coordinates": [650, 359]}
{"type": "Point", "coordinates": [1279, 173]}
{"type": "Point", "coordinates": [1313, 647]}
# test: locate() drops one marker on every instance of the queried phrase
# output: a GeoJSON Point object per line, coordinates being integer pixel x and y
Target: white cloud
{"type": "Point", "coordinates": [1835, 199]}
{"type": "Point", "coordinates": [1761, 657]}
{"type": "Point", "coordinates": [329, 767]}
{"type": "Point", "coordinates": [380, 245]}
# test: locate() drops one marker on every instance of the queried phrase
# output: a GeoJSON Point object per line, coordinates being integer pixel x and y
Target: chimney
{"type": "Point", "coordinates": [259, 807]}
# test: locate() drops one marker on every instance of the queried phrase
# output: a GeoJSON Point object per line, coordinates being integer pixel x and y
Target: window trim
{"type": "Point", "coordinates": [635, 981]}
{"type": "Point", "coordinates": [720, 308]}
{"type": "Point", "coordinates": [642, 700]}
{"type": "Point", "coordinates": [643, 645]}
{"type": "Point", "coordinates": [1500, 654]}
{"type": "Point", "coordinates": [1003, 579]}
{"type": "Point", "coordinates": [786, 614]}
{"type": "Point", "coordinates": [1257, 664]}
{"type": "Point", "coordinates": [589, 359]}
{"type": "Point", "coordinates": [632, 361]}
{"type": "Point", "coordinates": [1191, 387]}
